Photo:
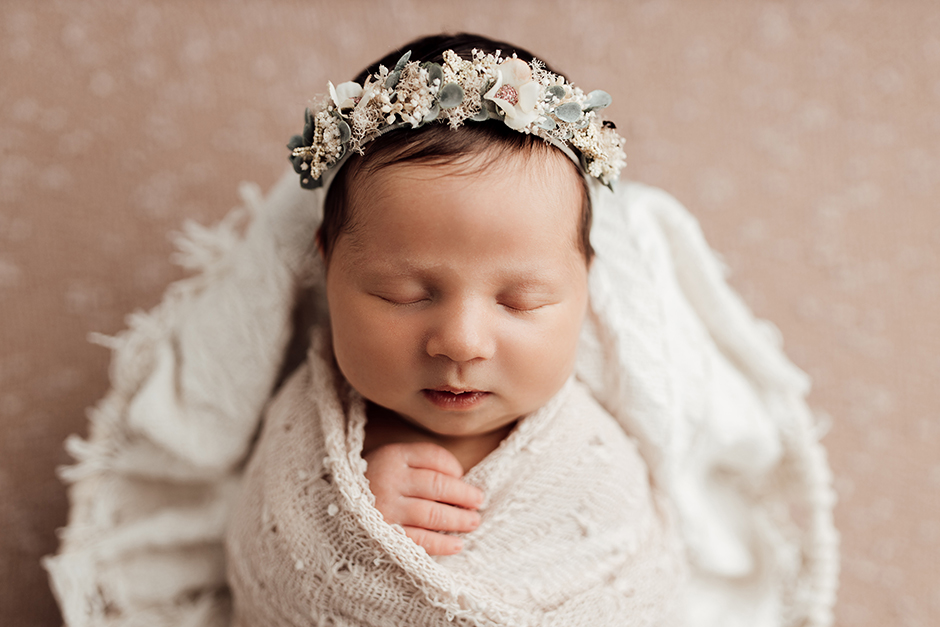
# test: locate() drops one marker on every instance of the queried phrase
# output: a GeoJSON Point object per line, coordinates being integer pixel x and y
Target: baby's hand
{"type": "Point", "coordinates": [417, 485]}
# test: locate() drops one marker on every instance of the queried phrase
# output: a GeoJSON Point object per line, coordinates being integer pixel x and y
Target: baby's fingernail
{"type": "Point", "coordinates": [458, 546]}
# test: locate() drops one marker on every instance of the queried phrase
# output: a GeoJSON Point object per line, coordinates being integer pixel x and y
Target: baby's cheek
{"type": "Point", "coordinates": [544, 360]}
{"type": "Point", "coordinates": [370, 350]}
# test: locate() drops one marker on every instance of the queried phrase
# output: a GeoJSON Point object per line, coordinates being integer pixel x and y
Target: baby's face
{"type": "Point", "coordinates": [456, 299]}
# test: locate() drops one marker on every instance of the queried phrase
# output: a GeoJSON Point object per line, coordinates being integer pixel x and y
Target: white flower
{"type": "Point", "coordinates": [344, 95]}
{"type": "Point", "coordinates": [515, 93]}
{"type": "Point", "coordinates": [369, 91]}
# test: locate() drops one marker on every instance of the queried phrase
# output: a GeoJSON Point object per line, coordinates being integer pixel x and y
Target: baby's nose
{"type": "Point", "coordinates": [462, 333]}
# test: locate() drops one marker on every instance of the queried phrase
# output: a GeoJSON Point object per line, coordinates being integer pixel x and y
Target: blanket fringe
{"type": "Point", "coordinates": [113, 451]}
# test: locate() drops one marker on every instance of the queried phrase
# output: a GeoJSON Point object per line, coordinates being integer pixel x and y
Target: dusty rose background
{"type": "Point", "coordinates": [804, 135]}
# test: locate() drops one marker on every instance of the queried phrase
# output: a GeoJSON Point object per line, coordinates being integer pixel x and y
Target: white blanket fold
{"type": "Point", "coordinates": [669, 351]}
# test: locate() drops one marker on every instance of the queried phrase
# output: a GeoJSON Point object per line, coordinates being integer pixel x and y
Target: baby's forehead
{"type": "Point", "coordinates": [518, 210]}
{"type": "Point", "coordinates": [547, 174]}
{"type": "Point", "coordinates": [545, 188]}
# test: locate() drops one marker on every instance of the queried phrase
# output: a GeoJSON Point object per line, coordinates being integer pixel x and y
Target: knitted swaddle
{"type": "Point", "coordinates": [668, 351]}
{"type": "Point", "coordinates": [569, 535]}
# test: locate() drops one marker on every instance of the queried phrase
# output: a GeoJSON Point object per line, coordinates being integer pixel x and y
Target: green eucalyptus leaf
{"type": "Point", "coordinates": [582, 123]}
{"type": "Point", "coordinates": [344, 131]}
{"type": "Point", "coordinates": [308, 133]}
{"type": "Point", "coordinates": [547, 123]}
{"type": "Point", "coordinates": [555, 90]}
{"type": "Point", "coordinates": [402, 61]}
{"type": "Point", "coordinates": [297, 162]}
{"type": "Point", "coordinates": [435, 72]}
{"type": "Point", "coordinates": [494, 112]}
{"type": "Point", "coordinates": [568, 112]}
{"type": "Point", "coordinates": [433, 113]}
{"type": "Point", "coordinates": [308, 117]}
{"type": "Point", "coordinates": [392, 79]}
{"type": "Point", "coordinates": [295, 142]}
{"type": "Point", "coordinates": [597, 99]}
{"type": "Point", "coordinates": [481, 116]}
{"type": "Point", "coordinates": [450, 96]}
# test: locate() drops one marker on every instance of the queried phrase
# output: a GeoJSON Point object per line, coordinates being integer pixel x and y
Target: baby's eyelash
{"type": "Point", "coordinates": [523, 310]}
{"type": "Point", "coordinates": [402, 303]}
{"type": "Point", "coordinates": [516, 309]}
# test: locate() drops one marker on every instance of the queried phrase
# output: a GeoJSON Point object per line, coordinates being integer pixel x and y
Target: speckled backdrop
{"type": "Point", "coordinates": [804, 135]}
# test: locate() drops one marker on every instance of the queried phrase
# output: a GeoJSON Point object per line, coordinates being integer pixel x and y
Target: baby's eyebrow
{"type": "Point", "coordinates": [522, 279]}
{"type": "Point", "coordinates": [397, 269]}
{"type": "Point", "coordinates": [532, 276]}
{"type": "Point", "coordinates": [529, 283]}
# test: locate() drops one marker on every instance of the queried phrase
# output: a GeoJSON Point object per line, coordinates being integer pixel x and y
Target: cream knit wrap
{"type": "Point", "coordinates": [669, 352]}
{"type": "Point", "coordinates": [570, 535]}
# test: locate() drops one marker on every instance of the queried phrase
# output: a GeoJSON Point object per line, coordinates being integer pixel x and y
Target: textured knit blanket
{"type": "Point", "coordinates": [669, 351]}
{"type": "Point", "coordinates": [570, 533]}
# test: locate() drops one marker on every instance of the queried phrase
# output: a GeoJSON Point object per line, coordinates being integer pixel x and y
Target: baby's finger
{"type": "Point", "coordinates": [437, 516]}
{"type": "Point", "coordinates": [432, 457]}
{"type": "Point", "coordinates": [434, 543]}
{"type": "Point", "coordinates": [436, 486]}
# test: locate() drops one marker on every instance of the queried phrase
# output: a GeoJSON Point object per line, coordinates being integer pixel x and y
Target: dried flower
{"type": "Point", "coordinates": [515, 93]}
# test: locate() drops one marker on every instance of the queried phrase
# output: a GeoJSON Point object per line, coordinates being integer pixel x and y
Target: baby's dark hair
{"type": "Point", "coordinates": [437, 143]}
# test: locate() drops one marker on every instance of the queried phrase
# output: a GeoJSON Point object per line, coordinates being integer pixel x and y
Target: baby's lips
{"type": "Point", "coordinates": [456, 390]}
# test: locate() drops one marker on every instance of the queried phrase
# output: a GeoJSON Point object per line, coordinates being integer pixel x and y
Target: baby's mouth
{"type": "Point", "coordinates": [447, 397]}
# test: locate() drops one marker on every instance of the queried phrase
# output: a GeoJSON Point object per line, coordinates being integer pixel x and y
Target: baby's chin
{"type": "Point", "coordinates": [447, 416]}
{"type": "Point", "coordinates": [455, 429]}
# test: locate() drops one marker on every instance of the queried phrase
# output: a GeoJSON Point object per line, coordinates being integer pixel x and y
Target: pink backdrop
{"type": "Point", "coordinates": [805, 136]}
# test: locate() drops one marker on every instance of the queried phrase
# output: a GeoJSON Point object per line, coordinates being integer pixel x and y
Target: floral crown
{"type": "Point", "coordinates": [525, 96]}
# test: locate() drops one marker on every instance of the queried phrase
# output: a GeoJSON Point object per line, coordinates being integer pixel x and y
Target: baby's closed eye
{"type": "Point", "coordinates": [522, 307]}
{"type": "Point", "coordinates": [403, 299]}
{"type": "Point", "coordinates": [524, 301]}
